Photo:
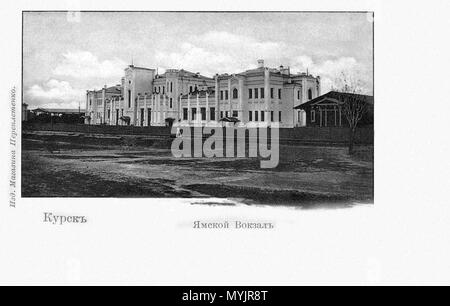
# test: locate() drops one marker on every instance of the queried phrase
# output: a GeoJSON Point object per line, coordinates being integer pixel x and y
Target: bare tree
{"type": "Point", "coordinates": [354, 104]}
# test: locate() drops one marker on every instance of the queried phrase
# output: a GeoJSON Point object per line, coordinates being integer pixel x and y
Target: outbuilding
{"type": "Point", "coordinates": [328, 110]}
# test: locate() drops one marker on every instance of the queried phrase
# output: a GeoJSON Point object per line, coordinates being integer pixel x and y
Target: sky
{"type": "Point", "coordinates": [65, 54]}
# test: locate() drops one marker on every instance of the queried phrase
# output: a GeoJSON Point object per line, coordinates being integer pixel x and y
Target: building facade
{"type": "Point", "coordinates": [255, 97]}
{"type": "Point", "coordinates": [98, 104]}
{"type": "Point", "coordinates": [252, 98]}
{"type": "Point", "coordinates": [143, 98]}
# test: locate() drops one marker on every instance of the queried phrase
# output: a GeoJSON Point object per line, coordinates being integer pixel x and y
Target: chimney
{"type": "Point", "coordinates": [284, 71]}
{"type": "Point", "coordinates": [261, 63]}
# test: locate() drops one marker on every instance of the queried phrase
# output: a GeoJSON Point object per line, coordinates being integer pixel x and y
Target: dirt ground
{"type": "Point", "coordinates": [96, 166]}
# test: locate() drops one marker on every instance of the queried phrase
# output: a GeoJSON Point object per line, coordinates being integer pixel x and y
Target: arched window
{"type": "Point", "coordinates": [235, 93]}
{"type": "Point", "coordinates": [310, 94]}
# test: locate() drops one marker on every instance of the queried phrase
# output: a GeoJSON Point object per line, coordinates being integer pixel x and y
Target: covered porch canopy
{"type": "Point", "coordinates": [125, 119]}
{"type": "Point", "coordinates": [230, 119]}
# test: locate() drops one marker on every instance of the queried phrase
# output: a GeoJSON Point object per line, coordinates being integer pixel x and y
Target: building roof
{"type": "Point", "coordinates": [285, 72]}
{"type": "Point", "coordinates": [184, 73]}
{"type": "Point", "coordinates": [192, 74]}
{"type": "Point", "coordinates": [141, 68]}
{"type": "Point", "coordinates": [201, 94]}
{"type": "Point", "coordinates": [335, 96]}
{"type": "Point", "coordinates": [59, 110]}
{"type": "Point", "coordinates": [112, 90]}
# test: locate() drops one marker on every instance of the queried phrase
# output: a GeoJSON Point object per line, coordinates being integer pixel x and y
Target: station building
{"type": "Point", "coordinates": [255, 97]}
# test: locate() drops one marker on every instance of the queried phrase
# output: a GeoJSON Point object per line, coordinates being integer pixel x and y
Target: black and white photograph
{"type": "Point", "coordinates": [281, 104]}
{"type": "Point", "coordinates": [224, 152]}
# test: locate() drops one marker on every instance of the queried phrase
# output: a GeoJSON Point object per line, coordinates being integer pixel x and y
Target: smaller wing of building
{"type": "Point", "coordinates": [327, 110]}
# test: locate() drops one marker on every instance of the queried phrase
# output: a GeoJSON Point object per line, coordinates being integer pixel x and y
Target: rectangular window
{"type": "Point", "coordinates": [235, 114]}
{"type": "Point", "coordinates": [256, 115]}
{"type": "Point", "coordinates": [262, 93]}
{"type": "Point", "coordinates": [163, 89]}
{"type": "Point", "coordinates": [262, 116]}
{"type": "Point", "coordinates": [271, 116]}
{"type": "Point", "coordinates": [203, 112]}
{"type": "Point", "coordinates": [250, 116]}
{"type": "Point", "coordinates": [221, 114]}
{"type": "Point", "coordinates": [271, 93]}
{"type": "Point", "coordinates": [279, 116]}
{"type": "Point", "coordinates": [190, 89]}
{"type": "Point", "coordinates": [170, 102]}
{"type": "Point", "coordinates": [212, 113]}
{"type": "Point", "coordinates": [256, 94]}
{"type": "Point", "coordinates": [226, 94]}
{"type": "Point", "coordinates": [221, 95]}
{"type": "Point", "coordinates": [171, 87]}
{"type": "Point", "coordinates": [313, 116]}
{"type": "Point", "coordinates": [185, 114]}
{"type": "Point", "coordinates": [250, 93]}
{"type": "Point", "coordinates": [129, 98]}
{"type": "Point", "coordinates": [226, 114]}
{"type": "Point", "coordinates": [194, 114]}
{"type": "Point", "coordinates": [298, 95]}
{"type": "Point", "coordinates": [279, 93]}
